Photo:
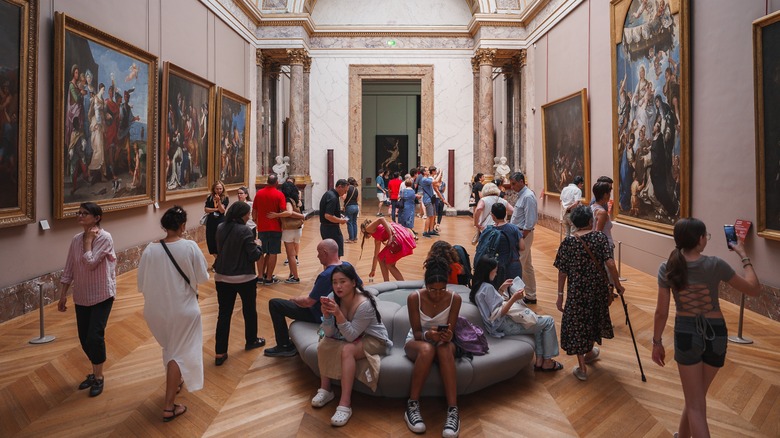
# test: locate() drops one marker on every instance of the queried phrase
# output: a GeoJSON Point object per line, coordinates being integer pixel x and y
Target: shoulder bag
{"type": "Point", "coordinates": [599, 266]}
{"type": "Point", "coordinates": [176, 265]}
{"type": "Point", "coordinates": [290, 223]}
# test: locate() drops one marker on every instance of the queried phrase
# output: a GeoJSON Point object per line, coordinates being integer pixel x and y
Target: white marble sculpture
{"type": "Point", "coordinates": [280, 168]}
{"type": "Point", "coordinates": [502, 169]}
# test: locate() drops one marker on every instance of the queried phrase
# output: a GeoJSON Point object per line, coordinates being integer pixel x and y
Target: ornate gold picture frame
{"type": "Point", "coordinates": [187, 147]}
{"type": "Point", "coordinates": [766, 55]}
{"type": "Point", "coordinates": [105, 120]}
{"type": "Point", "coordinates": [651, 112]}
{"type": "Point", "coordinates": [232, 149]}
{"type": "Point", "coordinates": [18, 95]}
{"type": "Point", "coordinates": [566, 143]}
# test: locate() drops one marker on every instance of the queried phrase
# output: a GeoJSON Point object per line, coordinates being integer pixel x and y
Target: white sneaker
{"type": "Point", "coordinates": [322, 398]}
{"type": "Point", "coordinates": [342, 415]}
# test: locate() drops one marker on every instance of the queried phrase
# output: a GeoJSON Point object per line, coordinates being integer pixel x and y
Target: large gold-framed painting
{"type": "Point", "coordinates": [105, 120]}
{"type": "Point", "coordinates": [651, 112]}
{"type": "Point", "coordinates": [233, 135]}
{"type": "Point", "coordinates": [566, 142]}
{"type": "Point", "coordinates": [766, 55]}
{"type": "Point", "coordinates": [18, 68]}
{"type": "Point", "coordinates": [187, 149]}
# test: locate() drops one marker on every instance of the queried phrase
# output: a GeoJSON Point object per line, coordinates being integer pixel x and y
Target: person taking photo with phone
{"type": "Point", "coordinates": [700, 334]}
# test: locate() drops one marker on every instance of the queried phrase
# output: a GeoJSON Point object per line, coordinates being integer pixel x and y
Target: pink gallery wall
{"type": "Point", "coordinates": [181, 31]}
{"type": "Point", "coordinates": [575, 54]}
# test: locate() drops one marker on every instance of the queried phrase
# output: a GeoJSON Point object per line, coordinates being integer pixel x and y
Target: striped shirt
{"type": "Point", "coordinates": [91, 274]}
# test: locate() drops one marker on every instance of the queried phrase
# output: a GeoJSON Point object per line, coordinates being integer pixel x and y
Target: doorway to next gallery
{"type": "Point", "coordinates": [390, 130]}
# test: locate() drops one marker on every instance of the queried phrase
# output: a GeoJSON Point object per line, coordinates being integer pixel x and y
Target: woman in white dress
{"type": "Point", "coordinates": [171, 306]}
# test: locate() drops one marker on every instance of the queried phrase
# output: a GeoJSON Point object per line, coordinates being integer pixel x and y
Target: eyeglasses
{"type": "Point", "coordinates": [83, 213]}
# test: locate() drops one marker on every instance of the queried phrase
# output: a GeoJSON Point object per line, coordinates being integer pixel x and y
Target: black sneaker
{"type": "Point", "coordinates": [88, 382]}
{"type": "Point", "coordinates": [259, 342]}
{"type": "Point", "coordinates": [529, 300]}
{"type": "Point", "coordinates": [281, 351]}
{"type": "Point", "coordinates": [426, 234]}
{"type": "Point", "coordinates": [293, 280]}
{"type": "Point", "coordinates": [413, 418]}
{"type": "Point", "coordinates": [433, 233]}
{"type": "Point", "coordinates": [286, 262]}
{"type": "Point", "coordinates": [97, 388]}
{"type": "Point", "coordinates": [452, 423]}
{"type": "Point", "coordinates": [273, 280]}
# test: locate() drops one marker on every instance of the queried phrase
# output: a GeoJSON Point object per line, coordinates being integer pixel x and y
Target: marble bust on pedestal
{"type": "Point", "coordinates": [502, 169]}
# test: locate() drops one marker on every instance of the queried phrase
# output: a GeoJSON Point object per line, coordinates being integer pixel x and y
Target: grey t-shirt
{"type": "Point", "coordinates": [706, 273]}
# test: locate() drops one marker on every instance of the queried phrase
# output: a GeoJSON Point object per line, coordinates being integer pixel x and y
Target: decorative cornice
{"type": "Point", "coordinates": [297, 56]}
{"type": "Point", "coordinates": [474, 65]}
{"type": "Point", "coordinates": [485, 56]}
{"type": "Point", "coordinates": [259, 59]}
{"type": "Point", "coordinates": [307, 64]}
{"type": "Point", "coordinates": [520, 59]}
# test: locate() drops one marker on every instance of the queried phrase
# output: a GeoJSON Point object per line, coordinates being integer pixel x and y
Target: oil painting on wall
{"type": "Point", "coordinates": [18, 67]}
{"type": "Point", "coordinates": [186, 163]}
{"type": "Point", "coordinates": [233, 136]}
{"type": "Point", "coordinates": [566, 144]}
{"type": "Point", "coordinates": [105, 120]}
{"type": "Point", "coordinates": [391, 153]}
{"type": "Point", "coordinates": [766, 44]}
{"type": "Point", "coordinates": [650, 112]}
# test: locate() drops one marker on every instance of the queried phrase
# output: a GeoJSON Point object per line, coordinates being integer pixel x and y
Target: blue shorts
{"type": "Point", "coordinates": [699, 339]}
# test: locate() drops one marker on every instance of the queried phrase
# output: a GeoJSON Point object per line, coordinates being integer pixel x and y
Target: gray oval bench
{"type": "Point", "coordinates": [507, 356]}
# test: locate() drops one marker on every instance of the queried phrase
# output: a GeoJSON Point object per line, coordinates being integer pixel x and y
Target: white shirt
{"type": "Point", "coordinates": [570, 196]}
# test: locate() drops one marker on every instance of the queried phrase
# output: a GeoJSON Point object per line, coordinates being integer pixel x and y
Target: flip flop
{"type": "Point", "coordinates": [178, 390]}
{"type": "Point", "coordinates": [173, 411]}
{"type": "Point", "coordinates": [557, 366]}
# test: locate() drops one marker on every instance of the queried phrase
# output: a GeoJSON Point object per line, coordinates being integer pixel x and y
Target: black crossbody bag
{"type": "Point", "coordinates": [176, 265]}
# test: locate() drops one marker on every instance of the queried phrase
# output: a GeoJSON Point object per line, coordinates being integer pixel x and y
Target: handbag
{"type": "Point", "coordinates": [176, 265]}
{"type": "Point", "coordinates": [204, 219]}
{"type": "Point", "coordinates": [521, 314]}
{"type": "Point", "coordinates": [290, 223]}
{"type": "Point", "coordinates": [470, 338]}
{"type": "Point", "coordinates": [399, 204]}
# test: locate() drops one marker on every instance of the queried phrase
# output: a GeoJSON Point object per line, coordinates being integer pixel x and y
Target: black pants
{"type": "Point", "coordinates": [439, 210]}
{"type": "Point", "coordinates": [91, 323]}
{"type": "Point", "coordinates": [280, 309]}
{"type": "Point", "coordinates": [226, 297]}
{"type": "Point", "coordinates": [333, 231]}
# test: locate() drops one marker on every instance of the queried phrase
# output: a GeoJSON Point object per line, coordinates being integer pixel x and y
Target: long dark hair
{"type": "Point", "coordinates": [485, 266]}
{"type": "Point", "coordinates": [236, 212]}
{"type": "Point", "coordinates": [349, 272]}
{"type": "Point", "coordinates": [443, 249]}
{"type": "Point", "coordinates": [687, 234]}
{"type": "Point", "coordinates": [290, 192]}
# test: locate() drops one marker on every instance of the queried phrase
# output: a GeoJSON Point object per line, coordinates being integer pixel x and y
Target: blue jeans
{"type": "Point", "coordinates": [352, 214]}
{"type": "Point", "coordinates": [543, 331]}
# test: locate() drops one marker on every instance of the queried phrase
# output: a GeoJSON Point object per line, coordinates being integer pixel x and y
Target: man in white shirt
{"type": "Point", "coordinates": [570, 198]}
{"type": "Point", "coordinates": [525, 217]}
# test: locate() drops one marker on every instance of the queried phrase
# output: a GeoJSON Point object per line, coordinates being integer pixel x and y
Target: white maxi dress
{"type": "Point", "coordinates": [171, 307]}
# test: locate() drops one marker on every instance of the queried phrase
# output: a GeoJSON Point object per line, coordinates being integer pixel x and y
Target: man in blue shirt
{"type": "Point", "coordinates": [525, 217]}
{"type": "Point", "coordinates": [426, 188]}
{"type": "Point", "coordinates": [304, 307]}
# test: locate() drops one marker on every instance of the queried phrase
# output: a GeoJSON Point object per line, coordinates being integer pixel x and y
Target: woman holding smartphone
{"type": "Point", "coordinates": [493, 309]}
{"type": "Point", "coordinates": [433, 312]}
{"type": "Point", "coordinates": [700, 334]}
{"type": "Point", "coordinates": [355, 338]}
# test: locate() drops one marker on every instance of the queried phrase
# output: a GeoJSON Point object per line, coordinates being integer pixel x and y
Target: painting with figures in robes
{"type": "Point", "coordinates": [105, 120]}
{"type": "Point", "coordinates": [651, 112]}
{"type": "Point", "coordinates": [566, 143]}
{"type": "Point", "coordinates": [233, 135]}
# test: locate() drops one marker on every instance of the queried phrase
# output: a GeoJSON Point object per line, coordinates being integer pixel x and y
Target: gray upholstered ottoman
{"type": "Point", "coordinates": [506, 358]}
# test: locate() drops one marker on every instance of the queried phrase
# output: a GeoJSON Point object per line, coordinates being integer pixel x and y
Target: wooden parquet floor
{"type": "Point", "coordinates": [256, 396]}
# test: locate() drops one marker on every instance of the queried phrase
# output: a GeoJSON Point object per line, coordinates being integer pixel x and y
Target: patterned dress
{"type": "Point", "coordinates": [586, 312]}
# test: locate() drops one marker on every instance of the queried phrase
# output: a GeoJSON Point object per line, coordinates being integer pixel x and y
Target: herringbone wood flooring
{"type": "Point", "coordinates": [252, 395]}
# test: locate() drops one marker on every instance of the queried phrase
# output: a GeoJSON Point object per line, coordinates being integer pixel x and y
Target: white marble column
{"type": "Point", "coordinates": [475, 71]}
{"type": "Point", "coordinates": [296, 58]}
{"type": "Point", "coordinates": [484, 161]}
{"type": "Point", "coordinates": [517, 65]}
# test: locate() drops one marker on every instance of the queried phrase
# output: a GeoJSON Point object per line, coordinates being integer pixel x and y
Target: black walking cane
{"type": "Point", "coordinates": [628, 321]}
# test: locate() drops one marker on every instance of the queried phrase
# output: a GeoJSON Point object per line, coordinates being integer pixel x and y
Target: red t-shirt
{"type": "Point", "coordinates": [395, 186]}
{"type": "Point", "coordinates": [455, 270]}
{"type": "Point", "coordinates": [268, 199]}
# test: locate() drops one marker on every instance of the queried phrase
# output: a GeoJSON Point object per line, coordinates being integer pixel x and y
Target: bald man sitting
{"type": "Point", "coordinates": [305, 307]}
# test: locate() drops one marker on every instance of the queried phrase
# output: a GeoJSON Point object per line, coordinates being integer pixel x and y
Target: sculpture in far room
{"type": "Point", "coordinates": [280, 168]}
{"type": "Point", "coordinates": [502, 169]}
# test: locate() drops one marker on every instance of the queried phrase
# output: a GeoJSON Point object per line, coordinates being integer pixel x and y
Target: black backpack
{"type": "Point", "coordinates": [465, 277]}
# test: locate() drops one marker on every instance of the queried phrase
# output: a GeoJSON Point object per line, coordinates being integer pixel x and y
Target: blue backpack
{"type": "Point", "coordinates": [470, 338]}
{"type": "Point", "coordinates": [488, 244]}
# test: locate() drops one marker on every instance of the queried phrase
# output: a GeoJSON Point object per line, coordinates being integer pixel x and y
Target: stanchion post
{"type": "Point", "coordinates": [739, 339]}
{"type": "Point", "coordinates": [43, 339]}
{"type": "Point", "coordinates": [620, 260]}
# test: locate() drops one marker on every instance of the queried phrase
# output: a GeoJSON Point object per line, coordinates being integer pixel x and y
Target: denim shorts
{"type": "Point", "coordinates": [698, 339]}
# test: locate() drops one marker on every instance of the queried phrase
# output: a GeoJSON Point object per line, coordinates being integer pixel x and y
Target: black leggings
{"type": "Point", "coordinates": [226, 297]}
{"type": "Point", "coordinates": [91, 323]}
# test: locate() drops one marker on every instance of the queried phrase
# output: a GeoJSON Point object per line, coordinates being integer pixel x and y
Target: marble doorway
{"type": "Point", "coordinates": [374, 72]}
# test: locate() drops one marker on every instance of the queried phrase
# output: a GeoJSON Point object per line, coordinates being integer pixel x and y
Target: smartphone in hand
{"type": "Point", "coordinates": [731, 236]}
{"type": "Point", "coordinates": [442, 328]}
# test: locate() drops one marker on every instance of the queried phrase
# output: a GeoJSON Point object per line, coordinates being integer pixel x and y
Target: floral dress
{"type": "Point", "coordinates": [586, 312]}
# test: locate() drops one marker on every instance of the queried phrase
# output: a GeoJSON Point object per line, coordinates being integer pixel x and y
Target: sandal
{"type": "Point", "coordinates": [342, 415]}
{"type": "Point", "coordinates": [173, 411]}
{"type": "Point", "coordinates": [556, 366]}
{"type": "Point", "coordinates": [179, 388]}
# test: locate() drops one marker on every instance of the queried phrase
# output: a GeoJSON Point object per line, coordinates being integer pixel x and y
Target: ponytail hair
{"type": "Point", "coordinates": [349, 272]}
{"type": "Point", "coordinates": [437, 270]}
{"type": "Point", "coordinates": [482, 270]}
{"type": "Point", "coordinates": [687, 234]}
